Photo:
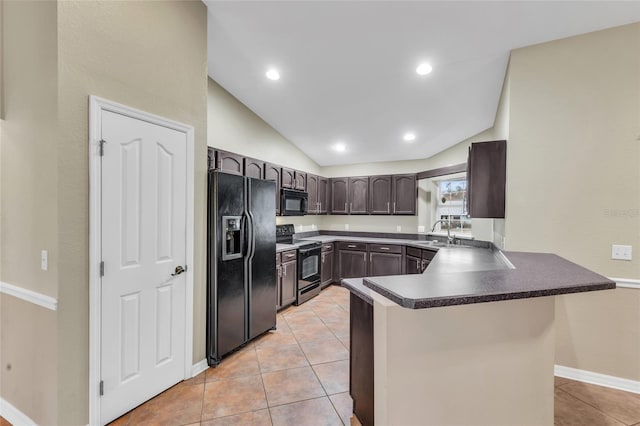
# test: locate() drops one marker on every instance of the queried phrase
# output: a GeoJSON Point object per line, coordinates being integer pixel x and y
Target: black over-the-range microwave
{"type": "Point", "coordinates": [293, 203]}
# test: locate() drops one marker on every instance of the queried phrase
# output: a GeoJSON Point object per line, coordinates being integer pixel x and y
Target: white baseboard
{"type": "Point", "coordinates": [199, 367]}
{"type": "Point", "coordinates": [597, 379]}
{"type": "Point", "coordinates": [626, 283]}
{"type": "Point", "coordinates": [13, 415]}
{"type": "Point", "coordinates": [29, 296]}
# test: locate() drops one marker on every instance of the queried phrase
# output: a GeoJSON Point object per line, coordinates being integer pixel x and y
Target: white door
{"type": "Point", "coordinates": [143, 242]}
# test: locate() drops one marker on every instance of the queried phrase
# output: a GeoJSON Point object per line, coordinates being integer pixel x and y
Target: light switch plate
{"type": "Point", "coordinates": [44, 260]}
{"type": "Point", "coordinates": [420, 228]}
{"type": "Point", "coordinates": [346, 226]}
{"type": "Point", "coordinates": [620, 252]}
{"type": "Point", "coordinates": [398, 228]}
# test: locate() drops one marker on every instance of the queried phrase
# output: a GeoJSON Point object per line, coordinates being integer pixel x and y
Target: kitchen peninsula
{"type": "Point", "coordinates": [427, 349]}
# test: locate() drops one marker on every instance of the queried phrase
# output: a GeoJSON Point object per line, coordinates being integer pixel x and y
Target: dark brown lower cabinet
{"type": "Point", "coordinates": [381, 264]}
{"type": "Point", "coordinates": [418, 260]}
{"type": "Point", "coordinates": [413, 264]}
{"type": "Point", "coordinates": [287, 279]}
{"type": "Point", "coordinates": [385, 259]}
{"type": "Point", "coordinates": [361, 359]}
{"type": "Point", "coordinates": [353, 264]}
{"type": "Point", "coordinates": [326, 270]}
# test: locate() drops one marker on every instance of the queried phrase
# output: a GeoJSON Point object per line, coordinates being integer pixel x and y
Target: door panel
{"type": "Point", "coordinates": [352, 264]}
{"type": "Point", "coordinates": [381, 264]}
{"type": "Point", "coordinates": [380, 194]}
{"type": "Point", "coordinates": [262, 288]}
{"type": "Point", "coordinates": [289, 281]}
{"type": "Point", "coordinates": [359, 195]}
{"type": "Point", "coordinates": [226, 282]}
{"type": "Point", "coordinates": [339, 196]}
{"type": "Point", "coordinates": [143, 240]}
{"type": "Point", "coordinates": [405, 194]}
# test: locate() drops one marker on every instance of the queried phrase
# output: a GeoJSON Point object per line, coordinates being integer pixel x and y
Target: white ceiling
{"type": "Point", "coordinates": [348, 67]}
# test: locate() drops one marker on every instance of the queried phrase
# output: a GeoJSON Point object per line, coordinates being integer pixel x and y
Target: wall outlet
{"type": "Point", "coordinates": [619, 252]}
{"type": "Point", "coordinates": [398, 228]}
{"type": "Point", "coordinates": [44, 260]}
{"type": "Point", "coordinates": [420, 228]}
{"type": "Point", "coordinates": [313, 226]}
{"type": "Point", "coordinates": [346, 226]}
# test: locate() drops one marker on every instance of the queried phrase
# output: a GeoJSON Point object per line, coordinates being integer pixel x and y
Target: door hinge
{"type": "Point", "coordinates": [102, 268]}
{"type": "Point", "coordinates": [101, 387]}
{"type": "Point", "coordinates": [102, 142]}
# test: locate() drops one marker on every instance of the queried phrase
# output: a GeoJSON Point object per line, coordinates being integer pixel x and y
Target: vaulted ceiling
{"type": "Point", "coordinates": [348, 68]}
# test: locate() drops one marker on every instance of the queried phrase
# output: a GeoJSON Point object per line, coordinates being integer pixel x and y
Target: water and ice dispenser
{"type": "Point", "coordinates": [232, 237]}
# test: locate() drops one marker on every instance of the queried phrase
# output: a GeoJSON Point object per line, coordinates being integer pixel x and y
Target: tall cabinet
{"type": "Point", "coordinates": [486, 179]}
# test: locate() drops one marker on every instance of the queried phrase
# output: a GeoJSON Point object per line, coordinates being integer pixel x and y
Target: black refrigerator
{"type": "Point", "coordinates": [241, 270]}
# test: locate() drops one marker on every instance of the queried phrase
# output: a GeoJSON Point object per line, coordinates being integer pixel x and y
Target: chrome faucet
{"type": "Point", "coordinates": [450, 239]}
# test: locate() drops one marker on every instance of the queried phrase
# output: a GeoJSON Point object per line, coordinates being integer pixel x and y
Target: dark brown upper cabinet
{"type": "Point", "coordinates": [229, 162]}
{"type": "Point", "coordinates": [273, 172]}
{"type": "Point", "coordinates": [324, 195]}
{"type": "Point", "coordinates": [254, 168]}
{"type": "Point", "coordinates": [312, 190]}
{"type": "Point", "coordinates": [380, 195]}
{"type": "Point", "coordinates": [300, 180]}
{"type": "Point", "coordinates": [288, 178]}
{"type": "Point", "coordinates": [358, 195]}
{"type": "Point", "coordinates": [404, 194]}
{"type": "Point", "coordinates": [339, 188]}
{"type": "Point", "coordinates": [486, 178]}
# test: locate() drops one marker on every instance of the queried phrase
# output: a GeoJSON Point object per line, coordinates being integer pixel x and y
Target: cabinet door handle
{"type": "Point", "coordinates": [364, 257]}
{"type": "Point", "coordinates": [284, 271]}
{"type": "Point", "coordinates": [370, 257]}
{"type": "Point", "coordinates": [388, 211]}
{"type": "Point", "coordinates": [384, 248]}
{"type": "Point", "coordinates": [351, 246]}
{"type": "Point", "coordinates": [418, 265]}
{"type": "Point", "coordinates": [394, 206]}
{"type": "Point", "coordinates": [323, 258]}
{"type": "Point", "coordinates": [345, 207]}
{"type": "Point", "coordinates": [351, 207]}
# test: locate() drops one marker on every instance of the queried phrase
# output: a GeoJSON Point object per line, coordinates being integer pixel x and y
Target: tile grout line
{"type": "Point", "coordinates": [264, 389]}
{"type": "Point", "coordinates": [316, 374]}
{"type": "Point", "coordinates": [326, 394]}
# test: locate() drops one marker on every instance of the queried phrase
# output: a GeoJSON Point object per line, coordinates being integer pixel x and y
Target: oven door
{"type": "Point", "coordinates": [308, 267]}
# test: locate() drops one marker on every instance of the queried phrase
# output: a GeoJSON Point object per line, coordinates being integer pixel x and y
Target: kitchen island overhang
{"type": "Point", "coordinates": [469, 347]}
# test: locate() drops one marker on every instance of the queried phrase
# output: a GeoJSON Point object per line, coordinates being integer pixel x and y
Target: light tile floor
{"type": "Point", "coordinates": [299, 375]}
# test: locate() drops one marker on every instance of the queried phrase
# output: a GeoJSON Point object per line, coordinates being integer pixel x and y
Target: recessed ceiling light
{"type": "Point", "coordinates": [273, 74]}
{"type": "Point", "coordinates": [409, 137]}
{"type": "Point", "coordinates": [424, 69]}
{"type": "Point", "coordinates": [340, 147]}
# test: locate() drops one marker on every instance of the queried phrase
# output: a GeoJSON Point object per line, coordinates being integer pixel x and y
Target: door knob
{"type": "Point", "coordinates": [178, 271]}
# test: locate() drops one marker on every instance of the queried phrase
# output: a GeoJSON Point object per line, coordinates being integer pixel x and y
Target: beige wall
{"type": "Point", "coordinates": [148, 55]}
{"type": "Point", "coordinates": [151, 56]}
{"type": "Point", "coordinates": [234, 127]}
{"type": "Point", "coordinates": [28, 211]}
{"type": "Point", "coordinates": [574, 183]}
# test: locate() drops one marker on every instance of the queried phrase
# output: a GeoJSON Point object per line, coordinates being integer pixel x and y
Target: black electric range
{"type": "Point", "coordinates": [309, 264]}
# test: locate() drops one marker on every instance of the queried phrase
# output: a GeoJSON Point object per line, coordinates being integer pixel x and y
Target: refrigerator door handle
{"type": "Point", "coordinates": [245, 238]}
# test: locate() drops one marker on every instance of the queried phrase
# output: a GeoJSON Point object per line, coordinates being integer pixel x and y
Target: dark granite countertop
{"type": "Point", "coordinates": [465, 275]}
